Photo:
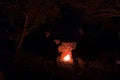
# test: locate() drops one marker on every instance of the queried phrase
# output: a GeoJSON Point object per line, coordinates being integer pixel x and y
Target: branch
{"type": "Point", "coordinates": [106, 12]}
{"type": "Point", "coordinates": [27, 32]}
{"type": "Point", "coordinates": [26, 20]}
{"type": "Point", "coordinates": [31, 28]}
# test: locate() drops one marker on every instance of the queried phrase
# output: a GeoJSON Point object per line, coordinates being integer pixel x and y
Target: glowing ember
{"type": "Point", "coordinates": [67, 58]}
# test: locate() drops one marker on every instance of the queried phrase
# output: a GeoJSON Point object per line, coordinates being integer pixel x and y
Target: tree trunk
{"type": "Point", "coordinates": [23, 34]}
{"type": "Point", "coordinates": [21, 38]}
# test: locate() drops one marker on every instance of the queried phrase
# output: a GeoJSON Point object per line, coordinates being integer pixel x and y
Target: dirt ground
{"type": "Point", "coordinates": [33, 67]}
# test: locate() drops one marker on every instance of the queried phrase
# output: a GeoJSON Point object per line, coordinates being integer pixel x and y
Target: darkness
{"type": "Point", "coordinates": [70, 23]}
{"type": "Point", "coordinates": [98, 46]}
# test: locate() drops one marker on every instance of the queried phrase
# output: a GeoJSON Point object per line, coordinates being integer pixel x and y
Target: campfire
{"type": "Point", "coordinates": [67, 57]}
{"type": "Point", "coordinates": [66, 52]}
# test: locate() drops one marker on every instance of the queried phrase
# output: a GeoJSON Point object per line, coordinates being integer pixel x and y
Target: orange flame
{"type": "Point", "coordinates": [67, 58]}
{"type": "Point", "coordinates": [66, 49]}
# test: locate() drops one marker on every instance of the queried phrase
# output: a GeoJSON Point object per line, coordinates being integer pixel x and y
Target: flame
{"type": "Point", "coordinates": [67, 58]}
{"type": "Point", "coordinates": [66, 52]}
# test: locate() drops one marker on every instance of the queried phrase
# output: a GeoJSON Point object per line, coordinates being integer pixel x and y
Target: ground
{"type": "Point", "coordinates": [33, 67]}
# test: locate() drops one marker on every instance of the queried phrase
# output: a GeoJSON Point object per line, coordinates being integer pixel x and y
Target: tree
{"type": "Point", "coordinates": [29, 14]}
{"type": "Point", "coordinates": [90, 7]}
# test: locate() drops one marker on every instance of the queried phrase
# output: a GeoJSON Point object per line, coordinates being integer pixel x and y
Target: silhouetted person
{"type": "Point", "coordinates": [41, 42]}
{"type": "Point", "coordinates": [50, 47]}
